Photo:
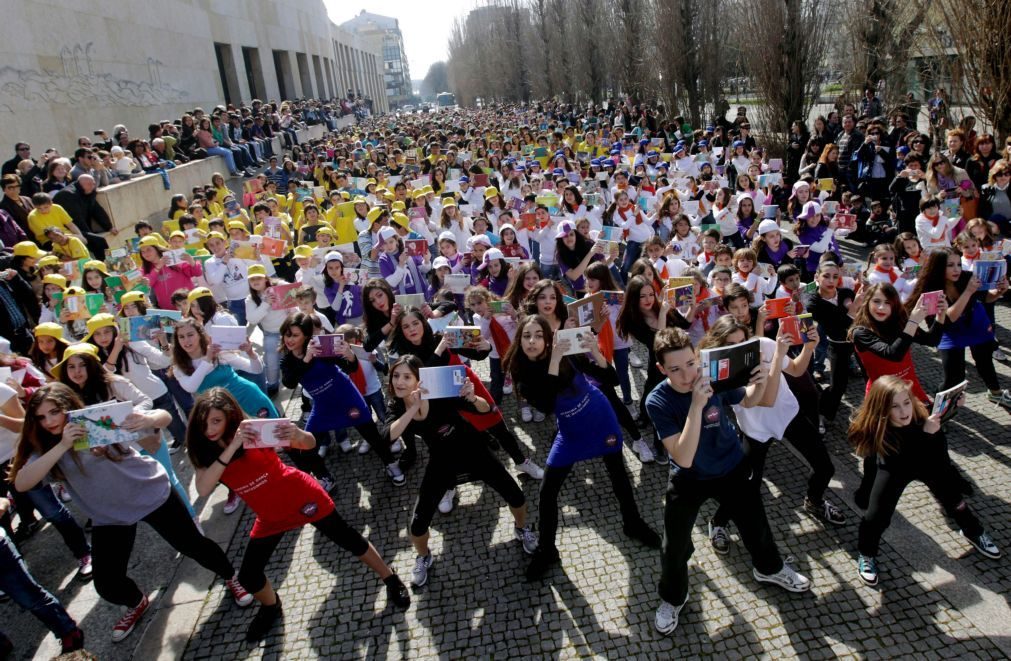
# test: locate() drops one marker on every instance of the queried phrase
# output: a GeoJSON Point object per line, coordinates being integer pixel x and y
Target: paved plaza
{"type": "Point", "coordinates": [937, 597]}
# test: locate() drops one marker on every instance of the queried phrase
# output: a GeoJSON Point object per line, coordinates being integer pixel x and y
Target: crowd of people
{"type": "Point", "coordinates": [588, 254]}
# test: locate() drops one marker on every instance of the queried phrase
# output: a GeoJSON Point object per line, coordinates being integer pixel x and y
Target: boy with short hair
{"type": "Point", "coordinates": [67, 248]}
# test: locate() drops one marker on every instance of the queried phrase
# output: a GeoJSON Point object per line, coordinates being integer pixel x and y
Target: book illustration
{"type": "Point", "coordinates": [442, 382]}
{"type": "Point", "coordinates": [439, 324]}
{"type": "Point", "coordinates": [610, 233]}
{"type": "Point", "coordinates": [769, 211]}
{"type": "Point", "coordinates": [146, 326]}
{"type": "Point", "coordinates": [480, 180]}
{"type": "Point", "coordinates": [104, 424]}
{"type": "Point", "coordinates": [802, 249]}
{"type": "Point", "coordinates": [588, 311]}
{"type": "Point", "coordinates": [770, 179]}
{"type": "Point", "coordinates": [681, 297]}
{"type": "Point", "coordinates": [910, 272]}
{"type": "Point", "coordinates": [610, 249]}
{"type": "Point", "coordinates": [272, 227]}
{"type": "Point", "coordinates": [951, 208]}
{"type": "Point", "coordinates": [329, 345]}
{"type": "Point", "coordinates": [253, 186]}
{"type": "Point", "coordinates": [498, 307]}
{"type": "Point", "coordinates": [776, 307]}
{"type": "Point", "coordinates": [356, 276]}
{"type": "Point", "coordinates": [417, 213]}
{"type": "Point", "coordinates": [776, 164]}
{"type": "Point", "coordinates": [273, 248]}
{"type": "Point", "coordinates": [528, 221]}
{"type": "Point", "coordinates": [846, 221]}
{"type": "Point", "coordinates": [459, 337]}
{"type": "Point", "coordinates": [614, 299]}
{"type": "Point", "coordinates": [796, 327]}
{"type": "Point", "coordinates": [826, 184]}
{"type": "Point", "coordinates": [232, 208]}
{"type": "Point", "coordinates": [229, 338]}
{"type": "Point", "coordinates": [575, 338]}
{"type": "Point", "coordinates": [989, 273]}
{"type": "Point", "coordinates": [243, 250]}
{"type": "Point", "coordinates": [457, 282]}
{"type": "Point", "coordinates": [930, 300]}
{"type": "Point", "coordinates": [730, 367]}
{"type": "Point", "coordinates": [990, 255]}
{"type": "Point", "coordinates": [946, 401]}
{"type": "Point", "coordinates": [266, 433]}
{"type": "Point", "coordinates": [410, 300]}
{"type": "Point", "coordinates": [416, 247]}
{"type": "Point", "coordinates": [284, 296]}
{"type": "Point", "coordinates": [683, 281]}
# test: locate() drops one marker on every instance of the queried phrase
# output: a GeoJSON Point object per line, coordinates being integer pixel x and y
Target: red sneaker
{"type": "Point", "coordinates": [125, 626]}
{"type": "Point", "coordinates": [242, 598]}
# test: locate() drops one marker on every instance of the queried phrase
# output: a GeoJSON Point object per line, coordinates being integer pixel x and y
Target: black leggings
{"type": "Point", "coordinates": [441, 476]}
{"type": "Point", "coordinates": [259, 549]}
{"type": "Point", "coordinates": [554, 478]}
{"type": "Point", "coordinates": [309, 461]}
{"type": "Point", "coordinates": [501, 433]}
{"type": "Point", "coordinates": [953, 362]}
{"type": "Point", "coordinates": [111, 547]}
{"type": "Point", "coordinates": [624, 417]}
{"type": "Point", "coordinates": [839, 361]}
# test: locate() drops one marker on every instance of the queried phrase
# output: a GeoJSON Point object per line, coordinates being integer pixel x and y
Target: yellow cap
{"type": "Point", "coordinates": [360, 200]}
{"type": "Point", "coordinates": [389, 196]}
{"type": "Point", "coordinates": [326, 229]}
{"type": "Point", "coordinates": [55, 279]}
{"type": "Point", "coordinates": [370, 182]}
{"type": "Point", "coordinates": [402, 220]}
{"type": "Point", "coordinates": [398, 206]}
{"type": "Point", "coordinates": [303, 252]}
{"type": "Point", "coordinates": [199, 292]}
{"type": "Point", "coordinates": [151, 240]}
{"type": "Point", "coordinates": [490, 192]}
{"type": "Point", "coordinates": [202, 252]}
{"type": "Point", "coordinates": [100, 320]}
{"type": "Point", "coordinates": [50, 329]}
{"type": "Point", "coordinates": [216, 235]}
{"type": "Point", "coordinates": [181, 234]}
{"type": "Point", "coordinates": [48, 260]}
{"type": "Point", "coordinates": [97, 265]}
{"type": "Point", "coordinates": [374, 214]}
{"type": "Point", "coordinates": [79, 349]}
{"type": "Point", "coordinates": [133, 297]}
{"type": "Point", "coordinates": [428, 190]}
{"type": "Point", "coordinates": [448, 202]}
{"type": "Point", "coordinates": [345, 195]}
{"type": "Point", "coordinates": [418, 193]}
{"type": "Point", "coordinates": [236, 225]}
{"type": "Point", "coordinates": [256, 271]}
{"type": "Point", "coordinates": [28, 249]}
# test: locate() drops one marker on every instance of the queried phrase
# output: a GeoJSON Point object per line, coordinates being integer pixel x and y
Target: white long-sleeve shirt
{"type": "Point", "coordinates": [268, 319]}
{"type": "Point", "coordinates": [932, 236]}
{"type": "Point", "coordinates": [201, 368]}
{"type": "Point", "coordinates": [143, 358]}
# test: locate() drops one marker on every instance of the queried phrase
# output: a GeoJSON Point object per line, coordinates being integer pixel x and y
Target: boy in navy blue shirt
{"type": "Point", "coordinates": [706, 461]}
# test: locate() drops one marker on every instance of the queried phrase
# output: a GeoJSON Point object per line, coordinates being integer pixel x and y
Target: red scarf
{"type": "Point", "coordinates": [892, 276]}
{"type": "Point", "coordinates": [358, 377]}
{"type": "Point", "coordinates": [703, 295]}
{"type": "Point", "coordinates": [797, 303]}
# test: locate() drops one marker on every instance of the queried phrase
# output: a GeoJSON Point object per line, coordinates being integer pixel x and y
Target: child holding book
{"type": "Point", "coordinates": [893, 429]}
{"type": "Point", "coordinates": [403, 272]}
{"type": "Point", "coordinates": [282, 497]}
{"type": "Point", "coordinates": [260, 312]}
{"type": "Point", "coordinates": [882, 258]}
{"type": "Point", "coordinates": [759, 284]}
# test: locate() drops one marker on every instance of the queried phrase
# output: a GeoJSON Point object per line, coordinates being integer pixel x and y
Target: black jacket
{"type": "Point", "coordinates": [85, 210]}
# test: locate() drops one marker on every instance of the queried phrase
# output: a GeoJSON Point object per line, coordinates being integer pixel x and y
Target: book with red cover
{"type": "Point", "coordinates": [796, 328]}
{"type": "Point", "coordinates": [776, 307]}
{"type": "Point", "coordinates": [273, 248]}
{"type": "Point", "coordinates": [480, 180]}
{"type": "Point", "coordinates": [416, 247]}
{"type": "Point", "coordinates": [284, 295]}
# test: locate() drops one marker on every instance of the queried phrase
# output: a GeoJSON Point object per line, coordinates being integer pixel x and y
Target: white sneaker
{"type": "Point", "coordinates": [645, 452]}
{"type": "Point", "coordinates": [397, 447]}
{"type": "Point", "coordinates": [419, 575]}
{"type": "Point", "coordinates": [538, 416]}
{"type": "Point", "coordinates": [666, 620]}
{"type": "Point", "coordinates": [327, 483]}
{"type": "Point", "coordinates": [364, 447]}
{"type": "Point", "coordinates": [62, 493]}
{"type": "Point", "coordinates": [633, 410]}
{"type": "Point", "coordinates": [526, 415]}
{"type": "Point", "coordinates": [346, 446]}
{"type": "Point", "coordinates": [528, 539]}
{"type": "Point", "coordinates": [531, 469]}
{"type": "Point", "coordinates": [636, 362]}
{"type": "Point", "coordinates": [786, 578]}
{"type": "Point", "coordinates": [999, 355]}
{"type": "Point", "coordinates": [448, 501]}
{"type": "Point", "coordinates": [232, 503]}
{"type": "Point", "coordinates": [396, 475]}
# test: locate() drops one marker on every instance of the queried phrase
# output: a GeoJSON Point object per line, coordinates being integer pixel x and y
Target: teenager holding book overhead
{"type": "Point", "coordinates": [706, 462]}
{"type": "Point", "coordinates": [893, 429]}
{"type": "Point", "coordinates": [453, 452]}
{"type": "Point", "coordinates": [221, 447]}
{"type": "Point", "coordinates": [117, 487]}
{"type": "Point", "coordinates": [966, 322]}
{"type": "Point", "coordinates": [833, 307]}
{"type": "Point", "coordinates": [587, 425]}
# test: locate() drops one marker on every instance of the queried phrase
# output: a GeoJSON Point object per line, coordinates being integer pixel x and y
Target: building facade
{"type": "Point", "coordinates": [383, 32]}
{"type": "Point", "coordinates": [72, 67]}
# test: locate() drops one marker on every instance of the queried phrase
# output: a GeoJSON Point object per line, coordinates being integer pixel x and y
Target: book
{"type": "Point", "coordinates": [610, 249]}
{"type": "Point", "coordinates": [796, 327]}
{"type": "Point", "coordinates": [802, 250]}
{"type": "Point", "coordinates": [776, 307]}
{"type": "Point", "coordinates": [329, 345]}
{"type": "Point", "coordinates": [459, 337]}
{"type": "Point", "coordinates": [417, 213]}
{"type": "Point", "coordinates": [356, 276]}
{"type": "Point", "coordinates": [480, 180]}
{"type": "Point", "coordinates": [457, 282]}
{"type": "Point", "coordinates": [266, 433]}
{"type": "Point", "coordinates": [930, 300]}
{"type": "Point", "coordinates": [309, 233]}
{"type": "Point", "coordinates": [770, 179]}
{"type": "Point", "coordinates": [273, 248]}
{"type": "Point", "coordinates": [104, 424]}
{"type": "Point", "coordinates": [416, 247]}
{"type": "Point", "coordinates": [229, 338]}
{"type": "Point", "coordinates": [682, 281]}
{"type": "Point", "coordinates": [614, 299]}
{"type": "Point", "coordinates": [776, 164]}
{"type": "Point", "coordinates": [410, 300]}
{"type": "Point", "coordinates": [910, 272]}
{"type": "Point", "coordinates": [989, 273]}
{"type": "Point", "coordinates": [284, 295]}
{"type": "Point", "coordinates": [769, 211]}
{"type": "Point", "coordinates": [730, 367]}
{"type": "Point", "coordinates": [829, 207]}
{"type": "Point", "coordinates": [361, 353]}
{"type": "Point", "coordinates": [681, 297]}
{"type": "Point", "coordinates": [690, 207]}
{"type": "Point", "coordinates": [442, 382]}
{"type": "Point", "coordinates": [846, 221]}
{"type": "Point", "coordinates": [243, 250]}
{"type": "Point", "coordinates": [144, 327]}
{"type": "Point", "coordinates": [588, 311]}
{"type": "Point", "coordinates": [253, 186]}
{"type": "Point", "coordinates": [826, 184]}
{"type": "Point", "coordinates": [527, 221]}
{"type": "Point", "coordinates": [439, 324]}
{"type": "Point", "coordinates": [946, 401]}
{"type": "Point", "coordinates": [610, 233]}
{"type": "Point", "coordinates": [574, 336]}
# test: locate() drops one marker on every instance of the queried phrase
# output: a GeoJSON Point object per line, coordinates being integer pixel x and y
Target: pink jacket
{"type": "Point", "coordinates": [169, 279]}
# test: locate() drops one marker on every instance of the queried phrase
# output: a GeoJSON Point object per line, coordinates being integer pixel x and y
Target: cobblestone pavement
{"type": "Point", "coordinates": [937, 597]}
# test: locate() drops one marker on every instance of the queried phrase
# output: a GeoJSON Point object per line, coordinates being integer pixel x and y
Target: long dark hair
{"type": "Point", "coordinates": [630, 317]}
{"type": "Point", "coordinates": [122, 365]}
{"type": "Point", "coordinates": [516, 294]}
{"type": "Point", "coordinates": [523, 369]}
{"type": "Point", "coordinates": [201, 451]}
{"type": "Point", "coordinates": [412, 363]}
{"type": "Point", "coordinates": [890, 328]}
{"type": "Point", "coordinates": [374, 319]}
{"type": "Point", "coordinates": [400, 344]}
{"type": "Point", "coordinates": [303, 322]}
{"type": "Point", "coordinates": [530, 302]}
{"type": "Point", "coordinates": [181, 359]}
{"type": "Point", "coordinates": [578, 251]}
{"type": "Point", "coordinates": [208, 308]}
{"type": "Point", "coordinates": [37, 357]}
{"type": "Point", "coordinates": [933, 278]}
{"type": "Point", "coordinates": [96, 390]}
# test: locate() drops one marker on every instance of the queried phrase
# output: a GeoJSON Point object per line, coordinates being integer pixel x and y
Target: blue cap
{"type": "Point", "coordinates": [519, 167]}
{"type": "Point", "coordinates": [464, 179]}
{"type": "Point", "coordinates": [595, 162]}
{"type": "Point", "coordinates": [558, 172]}
{"type": "Point", "coordinates": [644, 141]}
{"type": "Point", "coordinates": [663, 164]}
{"type": "Point", "coordinates": [615, 150]}
{"type": "Point", "coordinates": [623, 172]}
{"type": "Point", "coordinates": [710, 128]}
{"type": "Point", "coordinates": [653, 154]}
{"type": "Point", "coordinates": [903, 150]}
{"type": "Point", "coordinates": [703, 143]}
{"type": "Point", "coordinates": [737, 143]}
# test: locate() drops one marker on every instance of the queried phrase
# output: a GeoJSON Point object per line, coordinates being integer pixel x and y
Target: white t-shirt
{"type": "Point", "coordinates": [763, 423]}
{"type": "Point", "coordinates": [8, 438]}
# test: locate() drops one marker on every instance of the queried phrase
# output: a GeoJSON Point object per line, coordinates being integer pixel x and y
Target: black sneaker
{"type": "Point", "coordinates": [72, 642]}
{"type": "Point", "coordinates": [825, 511]}
{"type": "Point", "coordinates": [543, 560]}
{"type": "Point", "coordinates": [264, 621]}
{"type": "Point", "coordinates": [396, 592]}
{"type": "Point", "coordinates": [640, 530]}
{"type": "Point", "coordinates": [26, 530]}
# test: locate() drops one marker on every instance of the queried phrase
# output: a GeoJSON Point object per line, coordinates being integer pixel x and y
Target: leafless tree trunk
{"type": "Point", "coordinates": [881, 36]}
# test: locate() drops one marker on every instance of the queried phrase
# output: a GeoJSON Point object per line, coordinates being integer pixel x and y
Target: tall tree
{"type": "Point", "coordinates": [436, 80]}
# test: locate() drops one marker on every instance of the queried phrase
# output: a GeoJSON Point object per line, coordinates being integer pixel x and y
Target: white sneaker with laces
{"type": "Point", "coordinates": [538, 416]}
{"type": "Point", "coordinates": [364, 447]}
{"type": "Point", "coordinates": [448, 501]}
{"type": "Point", "coordinates": [666, 620]}
{"type": "Point", "coordinates": [397, 447]}
{"type": "Point", "coordinates": [531, 469]}
{"type": "Point", "coordinates": [645, 452]}
{"type": "Point", "coordinates": [346, 446]}
{"type": "Point", "coordinates": [528, 539]}
{"type": "Point", "coordinates": [984, 544]}
{"type": "Point", "coordinates": [526, 415]}
{"type": "Point", "coordinates": [396, 475]}
{"type": "Point", "coordinates": [635, 361]}
{"type": "Point", "coordinates": [419, 575]}
{"type": "Point", "coordinates": [786, 578]}
{"type": "Point", "coordinates": [999, 355]}
{"type": "Point", "coordinates": [507, 387]}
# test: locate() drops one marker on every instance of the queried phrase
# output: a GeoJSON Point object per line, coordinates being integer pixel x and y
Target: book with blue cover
{"type": "Point", "coordinates": [442, 382]}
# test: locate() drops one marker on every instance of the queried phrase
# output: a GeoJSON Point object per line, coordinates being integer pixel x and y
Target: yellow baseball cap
{"type": "Point", "coordinates": [48, 260]}
{"type": "Point", "coordinates": [55, 279]}
{"type": "Point", "coordinates": [217, 235]}
{"type": "Point", "coordinates": [28, 249]}
{"type": "Point", "coordinates": [181, 234]}
{"type": "Point", "coordinates": [360, 200]}
{"type": "Point", "coordinates": [132, 297]}
{"type": "Point", "coordinates": [374, 214]}
{"type": "Point", "coordinates": [402, 220]}
{"type": "Point", "coordinates": [79, 349]}
{"type": "Point", "coordinates": [97, 265]}
{"type": "Point", "coordinates": [236, 225]}
{"type": "Point", "coordinates": [326, 229]}
{"type": "Point", "coordinates": [398, 206]}
{"type": "Point", "coordinates": [418, 193]}
{"type": "Point", "coordinates": [199, 292]}
{"type": "Point", "coordinates": [50, 329]}
{"type": "Point", "coordinates": [152, 240]}
{"type": "Point", "coordinates": [100, 320]}
{"type": "Point", "coordinates": [256, 271]}
{"type": "Point", "coordinates": [303, 252]}
{"type": "Point", "coordinates": [490, 192]}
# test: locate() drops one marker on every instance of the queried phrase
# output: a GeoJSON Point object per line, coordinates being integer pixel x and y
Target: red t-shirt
{"type": "Point", "coordinates": [282, 497]}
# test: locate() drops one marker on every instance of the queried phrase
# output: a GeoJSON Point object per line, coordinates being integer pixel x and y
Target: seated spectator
{"type": "Point", "coordinates": [16, 204]}
{"type": "Point", "coordinates": [45, 215]}
{"type": "Point", "coordinates": [57, 175]}
{"type": "Point", "coordinates": [10, 232]}
{"type": "Point", "coordinates": [67, 248]}
{"type": "Point", "coordinates": [81, 203]}
{"type": "Point", "coordinates": [123, 164]}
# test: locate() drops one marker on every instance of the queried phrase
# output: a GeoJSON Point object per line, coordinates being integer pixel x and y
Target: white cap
{"type": "Point", "coordinates": [386, 233]}
{"type": "Point", "coordinates": [447, 236]}
{"type": "Point", "coordinates": [768, 225]}
{"type": "Point", "coordinates": [333, 256]}
{"type": "Point", "coordinates": [441, 261]}
{"type": "Point", "coordinates": [810, 210]}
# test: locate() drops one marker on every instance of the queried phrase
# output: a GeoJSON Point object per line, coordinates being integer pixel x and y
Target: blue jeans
{"type": "Point", "coordinates": [271, 359]}
{"type": "Point", "coordinates": [227, 155]}
{"type": "Point", "coordinates": [181, 397]}
{"type": "Point", "coordinates": [378, 404]}
{"type": "Point", "coordinates": [19, 585]}
{"type": "Point", "coordinates": [176, 427]}
{"type": "Point", "coordinates": [550, 271]}
{"type": "Point", "coordinates": [633, 249]}
{"type": "Point", "coordinates": [238, 310]}
{"type": "Point", "coordinates": [52, 510]}
{"type": "Point", "coordinates": [621, 367]}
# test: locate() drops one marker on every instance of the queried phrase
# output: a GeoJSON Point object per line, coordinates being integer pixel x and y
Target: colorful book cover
{"type": "Point", "coordinates": [498, 307]}
{"type": "Point", "coordinates": [776, 164]}
{"type": "Point", "coordinates": [272, 227]}
{"type": "Point", "coordinates": [459, 337]}
{"type": "Point", "coordinates": [796, 327]}
{"type": "Point", "coordinates": [610, 249]}
{"type": "Point", "coordinates": [417, 213]}
{"type": "Point", "coordinates": [253, 186]}
{"type": "Point", "coordinates": [104, 424]}
{"type": "Point", "coordinates": [416, 247]}
{"type": "Point", "coordinates": [457, 282]}
{"type": "Point", "coordinates": [802, 250]}
{"type": "Point", "coordinates": [480, 180]}
{"type": "Point", "coordinates": [769, 211]}
{"type": "Point", "coordinates": [826, 184]}
{"type": "Point", "coordinates": [527, 221]}
{"type": "Point", "coordinates": [273, 248]}
{"type": "Point", "coordinates": [75, 306]}
{"type": "Point", "coordinates": [730, 367]}
{"type": "Point", "coordinates": [266, 433]}
{"type": "Point", "coordinates": [610, 233]}
{"type": "Point", "coordinates": [930, 300]}
{"type": "Point", "coordinates": [93, 303]}
{"type": "Point", "coordinates": [588, 311]}
{"type": "Point", "coordinates": [243, 250]}
{"type": "Point", "coordinates": [681, 297]}
{"type": "Point", "coordinates": [776, 307]}
{"type": "Point", "coordinates": [229, 338]}
{"type": "Point", "coordinates": [145, 327]}
{"type": "Point", "coordinates": [442, 382]}
{"type": "Point", "coordinates": [946, 401]}
{"type": "Point", "coordinates": [284, 296]}
{"type": "Point", "coordinates": [356, 276]}
{"type": "Point", "coordinates": [910, 272]}
{"type": "Point", "coordinates": [329, 344]}
{"type": "Point", "coordinates": [846, 221]}
{"type": "Point", "coordinates": [989, 273]}
{"type": "Point", "coordinates": [683, 281]}
{"type": "Point", "coordinates": [410, 300]}
{"type": "Point", "coordinates": [575, 338]}
{"type": "Point", "coordinates": [614, 299]}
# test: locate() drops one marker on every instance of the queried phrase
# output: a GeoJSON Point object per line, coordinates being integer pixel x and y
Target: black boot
{"type": "Point", "coordinates": [264, 621]}
{"type": "Point", "coordinates": [640, 530]}
{"type": "Point", "coordinates": [543, 560]}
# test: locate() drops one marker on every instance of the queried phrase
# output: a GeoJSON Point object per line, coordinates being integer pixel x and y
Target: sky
{"type": "Point", "coordinates": [426, 32]}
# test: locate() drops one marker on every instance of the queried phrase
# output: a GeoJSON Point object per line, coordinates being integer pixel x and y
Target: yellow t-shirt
{"type": "Point", "coordinates": [74, 249]}
{"type": "Point", "coordinates": [57, 217]}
